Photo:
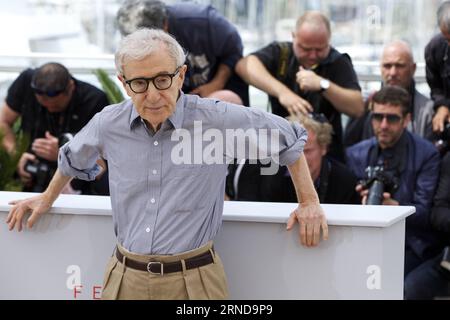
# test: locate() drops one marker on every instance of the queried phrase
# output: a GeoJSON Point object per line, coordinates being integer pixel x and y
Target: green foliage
{"type": "Point", "coordinates": [9, 161]}
{"type": "Point", "coordinates": [111, 89]}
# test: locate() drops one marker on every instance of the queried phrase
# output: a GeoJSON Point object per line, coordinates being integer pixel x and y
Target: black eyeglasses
{"type": "Point", "coordinates": [161, 82]}
{"type": "Point", "coordinates": [319, 117]}
{"type": "Point", "coordinates": [48, 93]}
{"type": "Point", "coordinates": [391, 118]}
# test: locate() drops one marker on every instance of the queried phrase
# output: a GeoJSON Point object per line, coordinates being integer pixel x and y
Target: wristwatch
{"type": "Point", "coordinates": [324, 84]}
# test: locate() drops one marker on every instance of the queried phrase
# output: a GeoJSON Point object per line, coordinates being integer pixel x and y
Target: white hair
{"type": "Point", "coordinates": [144, 42]}
{"type": "Point", "coordinates": [443, 16]}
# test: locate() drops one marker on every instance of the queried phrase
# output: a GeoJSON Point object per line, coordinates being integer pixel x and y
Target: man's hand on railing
{"type": "Point", "coordinates": [37, 205]}
{"type": "Point", "coordinates": [312, 220]}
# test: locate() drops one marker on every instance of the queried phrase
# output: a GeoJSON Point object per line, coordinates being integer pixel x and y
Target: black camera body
{"type": "Point", "coordinates": [443, 140]}
{"type": "Point", "coordinates": [378, 181]}
{"type": "Point", "coordinates": [445, 263]}
{"type": "Point", "coordinates": [41, 173]}
{"type": "Point", "coordinates": [41, 170]}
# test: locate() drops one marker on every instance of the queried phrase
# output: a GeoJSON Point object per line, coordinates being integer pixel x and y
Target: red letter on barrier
{"type": "Point", "coordinates": [95, 292]}
{"type": "Point", "coordinates": [75, 291]}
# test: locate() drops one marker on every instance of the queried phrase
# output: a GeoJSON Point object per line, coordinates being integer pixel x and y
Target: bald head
{"type": "Point", "coordinates": [397, 64]}
{"type": "Point", "coordinates": [311, 39]}
{"type": "Point", "coordinates": [315, 21]}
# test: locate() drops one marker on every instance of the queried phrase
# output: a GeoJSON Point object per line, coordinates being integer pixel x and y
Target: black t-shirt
{"type": "Point", "coordinates": [209, 40]}
{"type": "Point", "coordinates": [336, 67]}
{"type": "Point", "coordinates": [86, 101]}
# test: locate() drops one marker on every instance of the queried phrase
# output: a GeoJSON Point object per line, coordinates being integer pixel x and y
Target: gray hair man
{"type": "Point", "coordinates": [166, 212]}
{"type": "Point", "coordinates": [212, 43]}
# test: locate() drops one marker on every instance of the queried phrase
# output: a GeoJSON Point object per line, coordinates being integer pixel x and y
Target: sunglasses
{"type": "Point", "coordinates": [319, 117]}
{"type": "Point", "coordinates": [391, 118]}
{"type": "Point", "coordinates": [48, 93]}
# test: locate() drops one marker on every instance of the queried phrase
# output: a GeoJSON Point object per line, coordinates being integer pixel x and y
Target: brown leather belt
{"type": "Point", "coordinates": [157, 267]}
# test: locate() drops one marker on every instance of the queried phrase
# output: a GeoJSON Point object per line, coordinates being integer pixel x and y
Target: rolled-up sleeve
{"type": "Point", "coordinates": [77, 158]}
{"type": "Point", "coordinates": [293, 149]}
{"type": "Point", "coordinates": [285, 140]}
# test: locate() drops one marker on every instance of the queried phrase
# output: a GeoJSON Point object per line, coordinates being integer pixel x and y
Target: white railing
{"type": "Point", "coordinates": [362, 259]}
{"type": "Point", "coordinates": [367, 70]}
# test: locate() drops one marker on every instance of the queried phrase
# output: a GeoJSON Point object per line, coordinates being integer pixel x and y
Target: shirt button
{"type": "Point", "coordinates": [155, 143]}
{"type": "Point", "coordinates": [154, 172]}
{"type": "Point", "coordinates": [147, 230]}
{"type": "Point", "coordinates": [152, 200]}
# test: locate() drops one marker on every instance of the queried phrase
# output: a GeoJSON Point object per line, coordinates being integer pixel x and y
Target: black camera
{"type": "Point", "coordinates": [41, 174]}
{"type": "Point", "coordinates": [379, 181]}
{"type": "Point", "coordinates": [445, 263]}
{"type": "Point", "coordinates": [42, 171]}
{"type": "Point", "coordinates": [443, 140]}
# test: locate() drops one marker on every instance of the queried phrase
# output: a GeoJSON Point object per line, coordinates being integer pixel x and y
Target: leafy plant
{"type": "Point", "coordinates": [9, 161]}
{"type": "Point", "coordinates": [112, 90]}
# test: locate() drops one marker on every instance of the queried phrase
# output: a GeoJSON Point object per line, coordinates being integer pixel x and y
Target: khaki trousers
{"type": "Point", "coordinates": [206, 282]}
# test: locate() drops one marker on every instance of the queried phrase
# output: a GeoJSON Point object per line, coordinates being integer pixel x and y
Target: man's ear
{"type": "Point", "coordinates": [182, 72]}
{"type": "Point", "coordinates": [71, 87]}
{"type": "Point", "coordinates": [122, 80]}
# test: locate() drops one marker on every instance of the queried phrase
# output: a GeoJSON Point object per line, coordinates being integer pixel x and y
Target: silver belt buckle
{"type": "Point", "coordinates": [161, 273]}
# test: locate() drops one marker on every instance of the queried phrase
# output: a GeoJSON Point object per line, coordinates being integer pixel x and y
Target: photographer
{"type": "Point", "coordinates": [397, 68]}
{"type": "Point", "coordinates": [307, 75]}
{"type": "Point", "coordinates": [53, 106]}
{"type": "Point", "coordinates": [212, 43]}
{"type": "Point", "coordinates": [407, 158]}
{"type": "Point", "coordinates": [438, 68]}
{"type": "Point", "coordinates": [432, 278]}
{"type": "Point", "coordinates": [333, 181]}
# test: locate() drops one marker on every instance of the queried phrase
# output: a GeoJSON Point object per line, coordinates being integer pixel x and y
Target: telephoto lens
{"type": "Point", "coordinates": [375, 196]}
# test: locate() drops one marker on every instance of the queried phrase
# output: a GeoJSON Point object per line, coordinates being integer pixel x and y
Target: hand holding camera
{"type": "Point", "coordinates": [443, 141]}
{"type": "Point", "coordinates": [440, 118]}
{"type": "Point", "coordinates": [378, 187]}
{"type": "Point", "coordinates": [46, 148]}
{"type": "Point", "coordinates": [386, 200]}
{"type": "Point", "coordinates": [24, 175]}
{"type": "Point", "coordinates": [36, 170]}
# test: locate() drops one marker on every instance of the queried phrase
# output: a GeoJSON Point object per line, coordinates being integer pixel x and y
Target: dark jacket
{"type": "Point", "coordinates": [416, 187]}
{"type": "Point", "coordinates": [209, 40]}
{"type": "Point", "coordinates": [440, 215]}
{"type": "Point", "coordinates": [438, 70]}
{"type": "Point", "coordinates": [336, 184]}
{"type": "Point", "coordinates": [421, 108]}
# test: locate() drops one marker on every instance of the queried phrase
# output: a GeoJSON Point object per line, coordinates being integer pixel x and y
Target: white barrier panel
{"type": "Point", "coordinates": [64, 255]}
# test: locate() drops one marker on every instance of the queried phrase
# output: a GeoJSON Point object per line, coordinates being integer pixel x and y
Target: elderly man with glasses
{"type": "Point", "coordinates": [212, 43]}
{"type": "Point", "coordinates": [405, 157]}
{"type": "Point", "coordinates": [52, 104]}
{"type": "Point", "coordinates": [167, 208]}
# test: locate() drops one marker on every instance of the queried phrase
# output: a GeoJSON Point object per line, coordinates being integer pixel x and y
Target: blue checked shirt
{"type": "Point", "coordinates": [160, 206]}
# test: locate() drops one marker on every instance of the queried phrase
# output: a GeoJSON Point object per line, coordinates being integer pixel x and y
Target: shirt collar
{"type": "Point", "coordinates": [176, 119]}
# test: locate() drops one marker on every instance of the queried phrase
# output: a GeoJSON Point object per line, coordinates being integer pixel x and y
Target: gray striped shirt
{"type": "Point", "coordinates": [159, 205]}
